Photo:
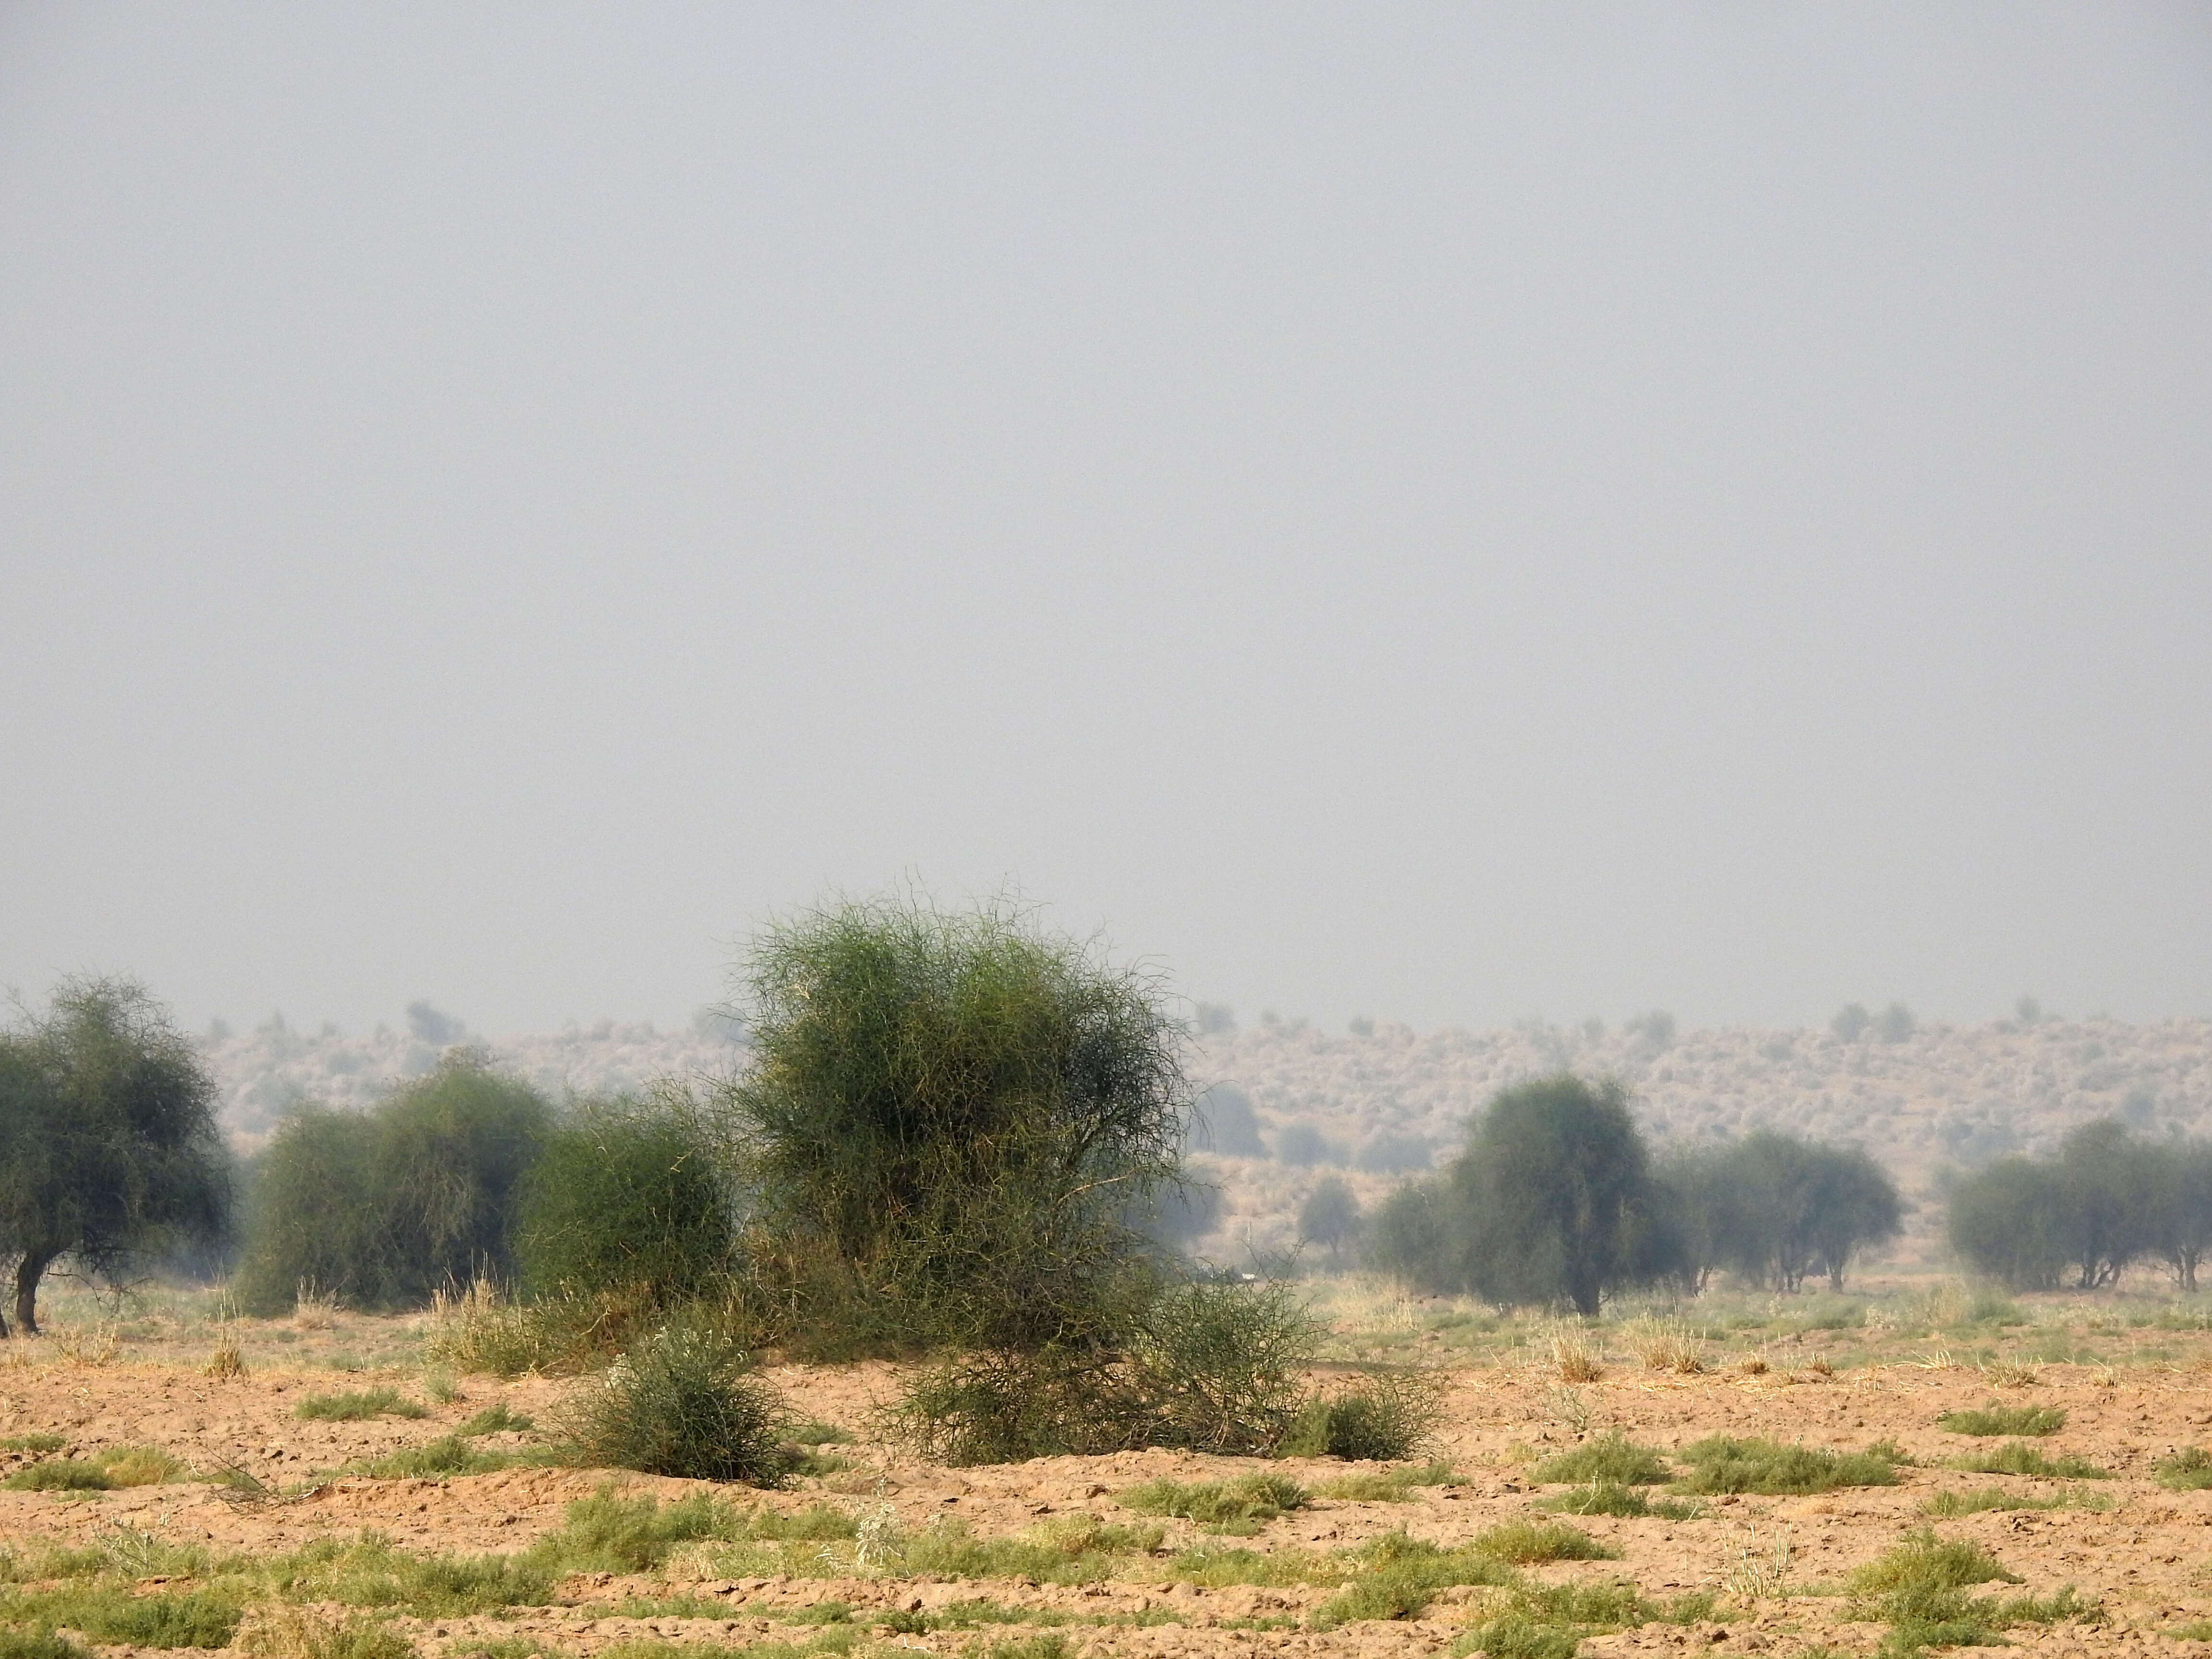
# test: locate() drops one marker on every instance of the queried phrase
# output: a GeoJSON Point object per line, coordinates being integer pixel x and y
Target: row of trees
{"type": "Point", "coordinates": [1557, 1198]}
{"type": "Point", "coordinates": [2105, 1201]}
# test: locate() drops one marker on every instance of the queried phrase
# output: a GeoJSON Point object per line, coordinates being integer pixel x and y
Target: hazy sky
{"type": "Point", "coordinates": [1447, 512]}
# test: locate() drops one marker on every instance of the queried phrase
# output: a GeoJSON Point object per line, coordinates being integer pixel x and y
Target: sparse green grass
{"type": "Point", "coordinates": [2019, 1457]}
{"type": "Point", "coordinates": [1388, 1486]}
{"type": "Point", "coordinates": [357, 1407]}
{"type": "Point", "coordinates": [1919, 1588]}
{"type": "Point", "coordinates": [2189, 1469]}
{"type": "Point", "coordinates": [1723, 1464]}
{"type": "Point", "coordinates": [1611, 1457]}
{"type": "Point", "coordinates": [40, 1644]}
{"type": "Point", "coordinates": [1984, 1498]}
{"type": "Point", "coordinates": [1994, 1421]}
{"type": "Point", "coordinates": [820, 1434]}
{"type": "Point", "coordinates": [1611, 1498]}
{"type": "Point", "coordinates": [496, 1419]}
{"type": "Point", "coordinates": [60, 1474]}
{"type": "Point", "coordinates": [437, 1460]}
{"type": "Point", "coordinates": [1251, 1498]}
{"type": "Point", "coordinates": [109, 1613]}
{"type": "Point", "coordinates": [33, 1442]}
{"type": "Point", "coordinates": [1525, 1542]}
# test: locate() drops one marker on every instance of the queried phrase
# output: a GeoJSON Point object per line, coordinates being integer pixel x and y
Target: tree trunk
{"type": "Point", "coordinates": [28, 1272]}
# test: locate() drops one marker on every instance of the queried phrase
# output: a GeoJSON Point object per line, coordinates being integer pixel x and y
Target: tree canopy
{"type": "Point", "coordinates": [108, 1147]}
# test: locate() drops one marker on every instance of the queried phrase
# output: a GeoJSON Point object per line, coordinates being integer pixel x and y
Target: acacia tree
{"type": "Point", "coordinates": [108, 1147]}
{"type": "Point", "coordinates": [949, 1123]}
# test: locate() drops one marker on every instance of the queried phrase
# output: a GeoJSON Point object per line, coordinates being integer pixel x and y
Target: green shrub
{"type": "Point", "coordinates": [1388, 1486]}
{"type": "Point", "coordinates": [1397, 1577]}
{"type": "Point", "coordinates": [1721, 1464]}
{"type": "Point", "coordinates": [1922, 1559]}
{"type": "Point", "coordinates": [59, 1475]}
{"type": "Point", "coordinates": [2019, 1457]}
{"type": "Point", "coordinates": [191, 1618]}
{"type": "Point", "coordinates": [436, 1460]}
{"type": "Point", "coordinates": [1523, 1542]}
{"type": "Point", "coordinates": [2189, 1469]}
{"type": "Point", "coordinates": [680, 1403]}
{"type": "Point", "coordinates": [625, 1199]}
{"type": "Point", "coordinates": [357, 1407]}
{"type": "Point", "coordinates": [1610, 1498]}
{"type": "Point", "coordinates": [382, 1208]}
{"type": "Point", "coordinates": [369, 1572]}
{"type": "Point", "coordinates": [1514, 1636]}
{"type": "Point", "coordinates": [1984, 1498]}
{"type": "Point", "coordinates": [605, 1533]}
{"type": "Point", "coordinates": [496, 1419]}
{"type": "Point", "coordinates": [1612, 1457]}
{"type": "Point", "coordinates": [1249, 1497]}
{"type": "Point", "coordinates": [1383, 1418]}
{"type": "Point", "coordinates": [40, 1643]}
{"type": "Point", "coordinates": [137, 1466]}
{"type": "Point", "coordinates": [33, 1442]}
{"type": "Point", "coordinates": [1993, 1421]}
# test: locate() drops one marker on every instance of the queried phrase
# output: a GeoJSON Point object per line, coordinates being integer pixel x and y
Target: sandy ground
{"type": "Point", "coordinates": [2147, 1560]}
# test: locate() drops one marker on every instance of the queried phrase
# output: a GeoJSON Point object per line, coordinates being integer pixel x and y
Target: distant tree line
{"type": "Point", "coordinates": [1557, 1199]}
{"type": "Point", "coordinates": [2104, 1202]}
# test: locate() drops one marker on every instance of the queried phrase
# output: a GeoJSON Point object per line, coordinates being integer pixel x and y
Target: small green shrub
{"type": "Point", "coordinates": [1514, 1636]}
{"type": "Point", "coordinates": [1249, 1497]}
{"type": "Point", "coordinates": [1383, 1418]}
{"type": "Point", "coordinates": [680, 1403]}
{"type": "Point", "coordinates": [357, 1407]}
{"type": "Point", "coordinates": [1395, 1576]}
{"type": "Point", "coordinates": [38, 1644]}
{"type": "Point", "coordinates": [137, 1466]}
{"type": "Point", "coordinates": [191, 1618]}
{"type": "Point", "coordinates": [60, 1474]}
{"type": "Point", "coordinates": [605, 1533]}
{"type": "Point", "coordinates": [1922, 1559]}
{"type": "Point", "coordinates": [2189, 1469]}
{"type": "Point", "coordinates": [1524, 1542]}
{"type": "Point", "coordinates": [435, 1459]}
{"type": "Point", "coordinates": [2019, 1457]}
{"type": "Point", "coordinates": [1611, 1498]}
{"type": "Point", "coordinates": [496, 1419]}
{"type": "Point", "coordinates": [33, 1442]}
{"type": "Point", "coordinates": [1723, 1464]}
{"type": "Point", "coordinates": [1984, 1498]}
{"type": "Point", "coordinates": [1993, 1421]}
{"type": "Point", "coordinates": [820, 1434]}
{"type": "Point", "coordinates": [369, 1572]}
{"type": "Point", "coordinates": [1388, 1486]}
{"type": "Point", "coordinates": [1613, 1457]}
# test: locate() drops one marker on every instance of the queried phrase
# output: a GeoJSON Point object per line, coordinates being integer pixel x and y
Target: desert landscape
{"type": "Point", "coordinates": [427, 1511]}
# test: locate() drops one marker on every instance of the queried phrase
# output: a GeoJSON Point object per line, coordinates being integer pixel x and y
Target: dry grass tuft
{"type": "Point", "coordinates": [1577, 1353]}
{"type": "Point", "coordinates": [1667, 1345]}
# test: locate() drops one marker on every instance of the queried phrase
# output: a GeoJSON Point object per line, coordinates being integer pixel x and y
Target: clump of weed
{"type": "Point", "coordinates": [1995, 1420]}
{"type": "Point", "coordinates": [59, 1475]}
{"type": "Point", "coordinates": [1723, 1464]}
{"type": "Point", "coordinates": [137, 1466]}
{"type": "Point", "coordinates": [1383, 1418]}
{"type": "Point", "coordinates": [1612, 1457]}
{"type": "Point", "coordinates": [820, 1434]}
{"type": "Point", "coordinates": [1523, 1542]}
{"type": "Point", "coordinates": [357, 1407]}
{"type": "Point", "coordinates": [33, 1442]}
{"type": "Point", "coordinates": [283, 1631]}
{"type": "Point", "coordinates": [1611, 1498]}
{"type": "Point", "coordinates": [496, 1419]}
{"type": "Point", "coordinates": [436, 1460]}
{"type": "Point", "coordinates": [1984, 1498]}
{"type": "Point", "coordinates": [1396, 1577]}
{"type": "Point", "coordinates": [1577, 1353]}
{"type": "Point", "coordinates": [190, 1619]}
{"type": "Point", "coordinates": [682, 1403]}
{"type": "Point", "coordinates": [1388, 1486]}
{"type": "Point", "coordinates": [369, 1573]}
{"type": "Point", "coordinates": [1919, 1588]}
{"type": "Point", "coordinates": [1250, 1498]}
{"type": "Point", "coordinates": [2019, 1457]}
{"type": "Point", "coordinates": [606, 1532]}
{"type": "Point", "coordinates": [1922, 1559]}
{"type": "Point", "coordinates": [2189, 1469]}
{"type": "Point", "coordinates": [38, 1644]}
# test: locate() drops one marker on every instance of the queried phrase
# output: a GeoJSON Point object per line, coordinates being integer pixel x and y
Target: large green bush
{"type": "Point", "coordinates": [624, 1200]}
{"type": "Point", "coordinates": [949, 1123]}
{"type": "Point", "coordinates": [382, 1208]}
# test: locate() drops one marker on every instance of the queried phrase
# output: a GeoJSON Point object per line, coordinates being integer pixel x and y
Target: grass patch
{"type": "Point", "coordinates": [1612, 1457]}
{"type": "Point", "coordinates": [1548, 1621]}
{"type": "Point", "coordinates": [496, 1419]}
{"type": "Point", "coordinates": [2189, 1469]}
{"type": "Point", "coordinates": [1631, 1503]}
{"type": "Point", "coordinates": [1722, 1464]}
{"type": "Point", "coordinates": [33, 1442]}
{"type": "Point", "coordinates": [289, 1633]}
{"type": "Point", "coordinates": [1384, 1417]}
{"type": "Point", "coordinates": [1919, 1587]}
{"type": "Point", "coordinates": [369, 1572]}
{"type": "Point", "coordinates": [189, 1619]}
{"type": "Point", "coordinates": [605, 1533]}
{"type": "Point", "coordinates": [1526, 1542]}
{"type": "Point", "coordinates": [37, 1645]}
{"type": "Point", "coordinates": [820, 1434]}
{"type": "Point", "coordinates": [2019, 1457]}
{"type": "Point", "coordinates": [447, 1456]}
{"type": "Point", "coordinates": [60, 1474]}
{"type": "Point", "coordinates": [1984, 1498]}
{"type": "Point", "coordinates": [681, 1402]}
{"type": "Point", "coordinates": [1991, 1421]}
{"type": "Point", "coordinates": [1388, 1486]}
{"type": "Point", "coordinates": [1395, 1577]}
{"type": "Point", "coordinates": [1251, 1498]}
{"type": "Point", "coordinates": [357, 1407]}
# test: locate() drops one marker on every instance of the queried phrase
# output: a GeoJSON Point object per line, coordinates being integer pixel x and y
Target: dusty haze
{"type": "Point", "coordinates": [1450, 514]}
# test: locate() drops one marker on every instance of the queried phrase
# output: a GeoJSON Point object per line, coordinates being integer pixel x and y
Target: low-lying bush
{"type": "Point", "coordinates": [683, 1403]}
{"type": "Point", "coordinates": [1611, 1498]}
{"type": "Point", "coordinates": [1388, 1486]}
{"type": "Point", "coordinates": [1383, 1418]}
{"type": "Point", "coordinates": [42, 1642]}
{"type": "Point", "coordinates": [59, 1475]}
{"type": "Point", "coordinates": [1723, 1464]}
{"type": "Point", "coordinates": [1526, 1542]}
{"type": "Point", "coordinates": [1249, 1497]}
{"type": "Point", "coordinates": [188, 1619]}
{"type": "Point", "coordinates": [496, 1419]}
{"type": "Point", "coordinates": [357, 1407]}
{"type": "Point", "coordinates": [1994, 1421]}
{"type": "Point", "coordinates": [2019, 1457]}
{"type": "Point", "coordinates": [1984, 1498]}
{"type": "Point", "coordinates": [2189, 1469]}
{"type": "Point", "coordinates": [1612, 1457]}
{"type": "Point", "coordinates": [1919, 1588]}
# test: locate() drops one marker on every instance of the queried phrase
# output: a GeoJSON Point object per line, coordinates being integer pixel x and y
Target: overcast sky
{"type": "Point", "coordinates": [1452, 512]}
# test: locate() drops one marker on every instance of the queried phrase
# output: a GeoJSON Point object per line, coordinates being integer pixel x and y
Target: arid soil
{"type": "Point", "coordinates": [1776, 1565]}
